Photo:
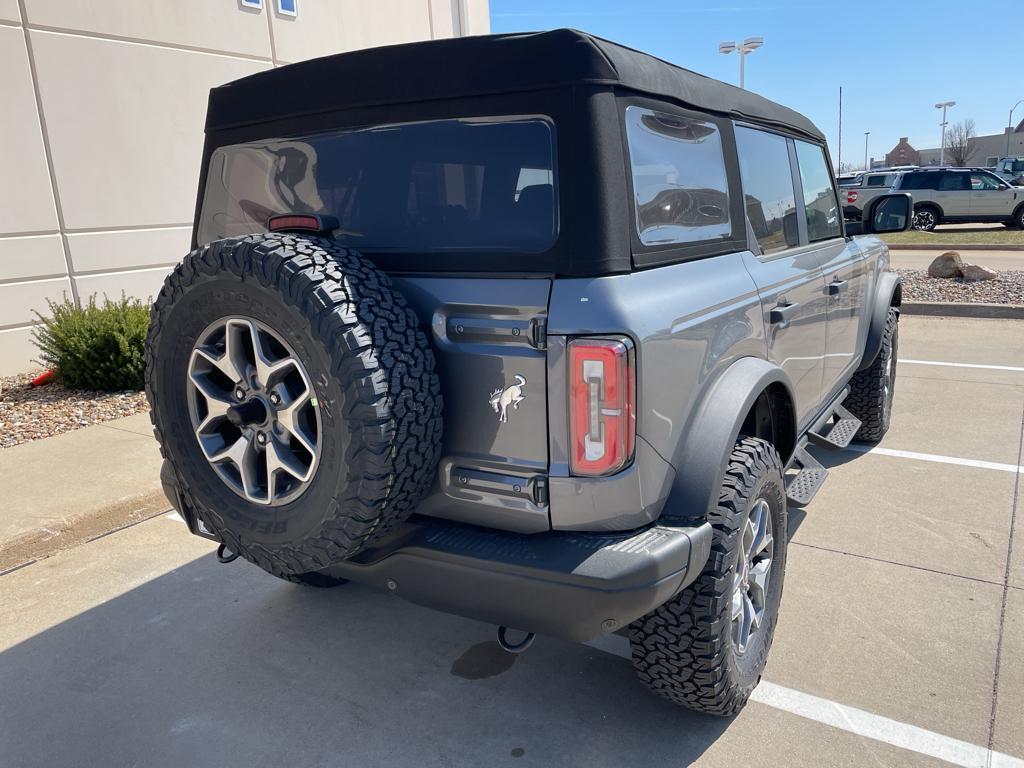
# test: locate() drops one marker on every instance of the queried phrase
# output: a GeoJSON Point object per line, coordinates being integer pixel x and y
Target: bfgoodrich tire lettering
{"type": "Point", "coordinates": [685, 650]}
{"type": "Point", "coordinates": [872, 389]}
{"type": "Point", "coordinates": [373, 375]}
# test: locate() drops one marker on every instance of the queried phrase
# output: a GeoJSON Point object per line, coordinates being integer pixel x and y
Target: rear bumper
{"type": "Point", "coordinates": [566, 584]}
{"type": "Point", "coordinates": [569, 584]}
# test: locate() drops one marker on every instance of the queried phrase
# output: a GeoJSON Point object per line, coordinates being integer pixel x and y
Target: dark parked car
{"type": "Point", "coordinates": [537, 333]}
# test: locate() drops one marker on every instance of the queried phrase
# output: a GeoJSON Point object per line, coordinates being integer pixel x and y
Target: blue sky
{"type": "Point", "coordinates": [891, 79]}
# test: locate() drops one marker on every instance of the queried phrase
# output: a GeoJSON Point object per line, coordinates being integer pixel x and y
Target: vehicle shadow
{"type": "Point", "coordinates": [213, 665]}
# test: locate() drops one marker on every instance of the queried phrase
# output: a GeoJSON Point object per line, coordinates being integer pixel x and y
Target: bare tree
{"type": "Point", "coordinates": [958, 142]}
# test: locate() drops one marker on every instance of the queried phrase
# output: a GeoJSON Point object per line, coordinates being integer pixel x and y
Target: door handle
{"type": "Point", "coordinates": [836, 287]}
{"type": "Point", "coordinates": [782, 314]}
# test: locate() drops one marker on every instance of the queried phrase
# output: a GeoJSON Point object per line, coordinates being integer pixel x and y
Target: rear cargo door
{"type": "Point", "coordinates": [489, 337]}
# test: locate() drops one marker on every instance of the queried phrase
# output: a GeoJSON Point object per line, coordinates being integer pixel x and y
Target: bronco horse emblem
{"type": "Point", "coordinates": [512, 395]}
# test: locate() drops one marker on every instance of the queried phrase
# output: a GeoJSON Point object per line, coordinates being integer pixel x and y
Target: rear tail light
{"type": "Point", "coordinates": [851, 196]}
{"type": "Point", "coordinates": [602, 405]}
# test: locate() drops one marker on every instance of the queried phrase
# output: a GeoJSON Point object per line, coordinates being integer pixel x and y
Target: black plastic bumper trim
{"type": "Point", "coordinates": [565, 584]}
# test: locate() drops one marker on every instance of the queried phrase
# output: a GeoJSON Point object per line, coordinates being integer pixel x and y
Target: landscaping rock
{"type": "Point", "coordinates": [1008, 289]}
{"type": "Point", "coordinates": [31, 413]}
{"type": "Point", "coordinates": [948, 264]}
{"type": "Point", "coordinates": [975, 273]}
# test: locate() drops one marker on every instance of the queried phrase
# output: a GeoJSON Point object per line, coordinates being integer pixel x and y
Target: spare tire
{"type": "Point", "coordinates": [294, 394]}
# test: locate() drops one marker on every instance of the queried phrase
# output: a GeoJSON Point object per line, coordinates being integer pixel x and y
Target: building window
{"type": "Point", "coordinates": [255, 4]}
{"type": "Point", "coordinates": [288, 7]}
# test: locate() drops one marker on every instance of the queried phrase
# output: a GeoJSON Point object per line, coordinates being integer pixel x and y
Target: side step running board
{"type": "Point", "coordinates": [841, 427]}
{"type": "Point", "coordinates": [801, 487]}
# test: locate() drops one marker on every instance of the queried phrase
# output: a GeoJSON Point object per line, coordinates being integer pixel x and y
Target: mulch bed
{"type": "Point", "coordinates": [32, 413]}
{"type": "Point", "coordinates": [1007, 289]}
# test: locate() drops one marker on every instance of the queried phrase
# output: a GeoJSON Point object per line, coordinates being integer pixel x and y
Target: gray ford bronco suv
{"type": "Point", "coordinates": [534, 329]}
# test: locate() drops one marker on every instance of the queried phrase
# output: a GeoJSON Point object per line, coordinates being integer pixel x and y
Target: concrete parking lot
{"type": "Point", "coordinates": [901, 639]}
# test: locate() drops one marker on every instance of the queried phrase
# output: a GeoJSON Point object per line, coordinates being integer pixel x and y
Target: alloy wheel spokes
{"type": "Point", "coordinates": [753, 572]}
{"type": "Point", "coordinates": [254, 411]}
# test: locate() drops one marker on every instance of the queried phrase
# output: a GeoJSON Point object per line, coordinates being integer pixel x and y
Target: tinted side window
{"type": "Point", "coordinates": [954, 182]}
{"type": "Point", "coordinates": [877, 180]}
{"type": "Point", "coordinates": [984, 181]}
{"type": "Point", "coordinates": [768, 188]}
{"type": "Point", "coordinates": [920, 180]}
{"type": "Point", "coordinates": [680, 187]}
{"type": "Point", "coordinates": [820, 206]}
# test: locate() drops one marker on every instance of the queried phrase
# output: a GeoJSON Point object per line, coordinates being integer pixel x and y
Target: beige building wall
{"type": "Point", "coordinates": [101, 131]}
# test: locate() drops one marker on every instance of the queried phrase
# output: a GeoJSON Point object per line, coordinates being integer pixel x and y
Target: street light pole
{"type": "Point", "coordinates": [866, 134]}
{"type": "Point", "coordinates": [942, 148]}
{"type": "Point", "coordinates": [749, 45]}
{"type": "Point", "coordinates": [1009, 125]}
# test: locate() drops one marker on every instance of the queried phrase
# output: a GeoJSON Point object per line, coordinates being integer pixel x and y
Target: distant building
{"type": "Point", "coordinates": [902, 154]}
{"type": "Point", "coordinates": [985, 151]}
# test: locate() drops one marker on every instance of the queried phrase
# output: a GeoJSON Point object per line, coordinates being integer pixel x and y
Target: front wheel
{"type": "Point", "coordinates": [1017, 222]}
{"type": "Point", "coordinates": [872, 389]}
{"type": "Point", "coordinates": [706, 648]}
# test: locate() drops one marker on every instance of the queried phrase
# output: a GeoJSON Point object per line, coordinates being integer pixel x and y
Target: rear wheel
{"type": "Point", "coordinates": [705, 648]}
{"type": "Point", "coordinates": [926, 218]}
{"type": "Point", "coordinates": [872, 389]}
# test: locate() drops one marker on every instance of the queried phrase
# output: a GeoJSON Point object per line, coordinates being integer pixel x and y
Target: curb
{"type": "Point", "coordinates": [31, 546]}
{"type": "Point", "coordinates": [953, 247]}
{"type": "Point", "coordinates": [953, 309]}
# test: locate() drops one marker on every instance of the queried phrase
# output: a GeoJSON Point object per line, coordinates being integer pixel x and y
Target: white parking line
{"type": "Point", "coordinates": [963, 365]}
{"type": "Point", "coordinates": [936, 458]}
{"type": "Point", "coordinates": [856, 721]}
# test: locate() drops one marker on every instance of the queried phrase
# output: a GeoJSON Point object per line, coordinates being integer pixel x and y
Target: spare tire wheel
{"type": "Point", "coordinates": [295, 396]}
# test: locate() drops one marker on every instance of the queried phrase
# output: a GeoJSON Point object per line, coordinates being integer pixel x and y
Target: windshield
{"type": "Point", "coordinates": [470, 184]}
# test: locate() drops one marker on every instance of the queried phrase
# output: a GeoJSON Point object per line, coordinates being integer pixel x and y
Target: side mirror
{"type": "Point", "coordinates": [790, 230]}
{"type": "Point", "coordinates": [887, 213]}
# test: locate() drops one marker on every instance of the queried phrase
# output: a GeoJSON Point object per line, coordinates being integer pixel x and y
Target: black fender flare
{"type": "Point", "coordinates": [888, 284]}
{"type": "Point", "coordinates": [703, 454]}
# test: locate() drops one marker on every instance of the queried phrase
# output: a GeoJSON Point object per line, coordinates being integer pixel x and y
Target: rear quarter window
{"type": "Point", "coordinates": [680, 184]}
{"type": "Point", "coordinates": [920, 181]}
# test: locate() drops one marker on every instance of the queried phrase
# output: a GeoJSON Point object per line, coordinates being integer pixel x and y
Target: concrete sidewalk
{"type": "Point", "coordinates": [71, 487]}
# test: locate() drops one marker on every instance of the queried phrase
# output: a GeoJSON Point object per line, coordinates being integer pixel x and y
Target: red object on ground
{"type": "Point", "coordinates": [44, 378]}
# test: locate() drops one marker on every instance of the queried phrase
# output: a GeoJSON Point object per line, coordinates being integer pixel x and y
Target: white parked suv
{"type": "Point", "coordinates": [959, 195]}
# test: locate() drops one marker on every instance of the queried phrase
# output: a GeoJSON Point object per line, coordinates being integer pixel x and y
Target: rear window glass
{"type": "Point", "coordinates": [680, 187]}
{"type": "Point", "coordinates": [446, 185]}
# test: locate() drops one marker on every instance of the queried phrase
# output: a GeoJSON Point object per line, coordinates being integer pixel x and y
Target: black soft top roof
{"type": "Point", "coordinates": [475, 66]}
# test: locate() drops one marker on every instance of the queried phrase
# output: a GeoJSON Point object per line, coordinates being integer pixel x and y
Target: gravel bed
{"type": "Point", "coordinates": [1007, 289]}
{"type": "Point", "coordinates": [32, 413]}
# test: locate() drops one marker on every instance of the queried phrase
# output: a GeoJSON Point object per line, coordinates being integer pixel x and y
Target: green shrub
{"type": "Point", "coordinates": [95, 346]}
